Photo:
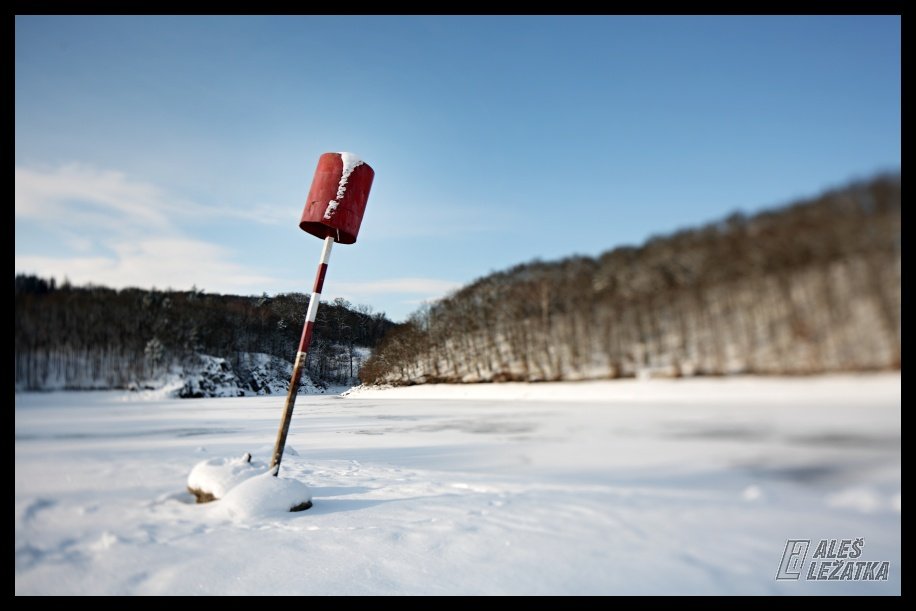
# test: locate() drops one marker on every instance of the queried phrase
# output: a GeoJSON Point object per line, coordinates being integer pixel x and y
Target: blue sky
{"type": "Point", "coordinates": [178, 151]}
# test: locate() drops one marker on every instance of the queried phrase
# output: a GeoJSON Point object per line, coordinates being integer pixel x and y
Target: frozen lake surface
{"type": "Point", "coordinates": [624, 487]}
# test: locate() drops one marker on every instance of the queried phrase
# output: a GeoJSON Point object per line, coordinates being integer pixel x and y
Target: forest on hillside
{"type": "Point", "coordinates": [98, 337]}
{"type": "Point", "coordinates": [807, 288]}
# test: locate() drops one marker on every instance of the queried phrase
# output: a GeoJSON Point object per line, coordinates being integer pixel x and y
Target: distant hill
{"type": "Point", "coordinates": [811, 287]}
{"type": "Point", "coordinates": [97, 337]}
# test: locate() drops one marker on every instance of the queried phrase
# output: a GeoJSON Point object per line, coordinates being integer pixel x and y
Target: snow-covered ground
{"type": "Point", "coordinates": [670, 487]}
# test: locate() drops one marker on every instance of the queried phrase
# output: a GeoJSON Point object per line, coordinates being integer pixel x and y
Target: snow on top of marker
{"type": "Point", "coordinates": [350, 163]}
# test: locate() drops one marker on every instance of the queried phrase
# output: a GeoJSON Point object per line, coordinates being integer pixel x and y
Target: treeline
{"type": "Point", "coordinates": [811, 287]}
{"type": "Point", "coordinates": [97, 337]}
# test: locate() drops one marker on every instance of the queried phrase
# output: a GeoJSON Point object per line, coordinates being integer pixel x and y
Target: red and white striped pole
{"type": "Point", "coordinates": [304, 342]}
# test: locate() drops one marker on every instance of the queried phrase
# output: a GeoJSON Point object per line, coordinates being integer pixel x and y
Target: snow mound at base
{"type": "Point", "coordinates": [264, 496]}
{"type": "Point", "coordinates": [218, 475]}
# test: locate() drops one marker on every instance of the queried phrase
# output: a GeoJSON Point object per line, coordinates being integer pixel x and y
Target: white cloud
{"type": "Point", "coordinates": [439, 219]}
{"type": "Point", "coordinates": [267, 214]}
{"type": "Point", "coordinates": [159, 262]}
{"type": "Point", "coordinates": [75, 194]}
{"type": "Point", "coordinates": [115, 230]}
{"type": "Point", "coordinates": [82, 194]}
{"type": "Point", "coordinates": [120, 232]}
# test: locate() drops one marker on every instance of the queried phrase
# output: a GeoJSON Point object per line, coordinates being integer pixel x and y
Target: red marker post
{"type": "Point", "coordinates": [333, 212]}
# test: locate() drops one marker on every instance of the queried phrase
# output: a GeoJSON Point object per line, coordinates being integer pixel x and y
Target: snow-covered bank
{"type": "Point", "coordinates": [194, 377]}
{"type": "Point", "coordinates": [692, 491]}
{"type": "Point", "coordinates": [856, 388]}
